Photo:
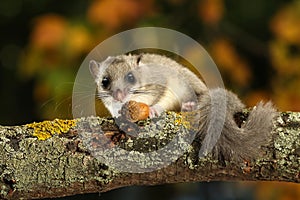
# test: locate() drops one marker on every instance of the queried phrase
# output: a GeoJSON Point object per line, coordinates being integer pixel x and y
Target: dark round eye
{"type": "Point", "coordinates": [130, 78]}
{"type": "Point", "coordinates": [105, 82]}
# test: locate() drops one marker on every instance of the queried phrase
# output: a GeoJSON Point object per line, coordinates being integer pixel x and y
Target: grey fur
{"type": "Point", "coordinates": [156, 74]}
{"type": "Point", "coordinates": [234, 143]}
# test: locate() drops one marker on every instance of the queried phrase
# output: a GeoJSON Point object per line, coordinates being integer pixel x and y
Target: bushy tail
{"type": "Point", "coordinates": [226, 138]}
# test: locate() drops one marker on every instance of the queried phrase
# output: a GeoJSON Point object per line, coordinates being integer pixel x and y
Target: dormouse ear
{"type": "Point", "coordinates": [94, 68]}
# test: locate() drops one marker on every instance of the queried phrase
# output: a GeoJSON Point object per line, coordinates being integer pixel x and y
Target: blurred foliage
{"type": "Point", "coordinates": [285, 56]}
{"type": "Point", "coordinates": [277, 190]}
{"type": "Point", "coordinates": [256, 63]}
{"type": "Point", "coordinates": [256, 46]}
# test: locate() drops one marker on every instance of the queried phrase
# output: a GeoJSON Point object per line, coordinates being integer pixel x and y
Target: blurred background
{"type": "Point", "coordinates": [255, 44]}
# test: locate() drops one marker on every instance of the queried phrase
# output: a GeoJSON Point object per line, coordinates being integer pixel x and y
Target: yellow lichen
{"type": "Point", "coordinates": [180, 119]}
{"type": "Point", "coordinates": [44, 130]}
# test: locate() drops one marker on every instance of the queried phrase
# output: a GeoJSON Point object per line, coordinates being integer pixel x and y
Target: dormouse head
{"type": "Point", "coordinates": [116, 76]}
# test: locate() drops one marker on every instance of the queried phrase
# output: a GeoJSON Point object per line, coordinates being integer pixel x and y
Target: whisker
{"type": "Point", "coordinates": [103, 94]}
{"type": "Point", "coordinates": [47, 102]}
{"type": "Point", "coordinates": [140, 90]}
{"type": "Point", "coordinates": [79, 85]}
{"type": "Point", "coordinates": [81, 97]}
{"type": "Point", "coordinates": [62, 102]}
{"type": "Point", "coordinates": [83, 93]}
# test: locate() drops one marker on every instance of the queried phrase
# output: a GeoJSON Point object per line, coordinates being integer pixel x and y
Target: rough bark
{"type": "Point", "coordinates": [54, 158]}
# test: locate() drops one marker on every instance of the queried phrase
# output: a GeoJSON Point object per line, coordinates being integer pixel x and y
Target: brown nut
{"type": "Point", "coordinates": [135, 111]}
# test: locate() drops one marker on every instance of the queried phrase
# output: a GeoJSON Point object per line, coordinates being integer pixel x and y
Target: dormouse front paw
{"type": "Point", "coordinates": [155, 111]}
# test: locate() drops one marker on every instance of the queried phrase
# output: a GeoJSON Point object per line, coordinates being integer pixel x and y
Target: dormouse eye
{"type": "Point", "coordinates": [130, 78]}
{"type": "Point", "coordinates": [105, 82]}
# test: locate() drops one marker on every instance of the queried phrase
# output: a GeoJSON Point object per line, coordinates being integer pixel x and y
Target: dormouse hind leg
{"type": "Point", "coordinates": [188, 106]}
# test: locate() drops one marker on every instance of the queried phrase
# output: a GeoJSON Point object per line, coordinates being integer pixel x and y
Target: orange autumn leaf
{"type": "Point", "coordinates": [49, 31]}
{"type": "Point", "coordinates": [285, 57]}
{"type": "Point", "coordinates": [114, 13]}
{"type": "Point", "coordinates": [78, 41]}
{"type": "Point", "coordinates": [277, 190]}
{"type": "Point", "coordinates": [287, 93]}
{"type": "Point", "coordinates": [211, 11]}
{"type": "Point", "coordinates": [224, 53]}
{"type": "Point", "coordinates": [227, 58]}
{"type": "Point", "coordinates": [285, 24]}
{"type": "Point", "coordinates": [285, 63]}
{"type": "Point", "coordinates": [256, 96]}
{"type": "Point", "coordinates": [289, 102]}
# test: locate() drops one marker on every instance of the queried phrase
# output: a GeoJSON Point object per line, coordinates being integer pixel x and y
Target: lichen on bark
{"type": "Point", "coordinates": [287, 143]}
{"type": "Point", "coordinates": [64, 164]}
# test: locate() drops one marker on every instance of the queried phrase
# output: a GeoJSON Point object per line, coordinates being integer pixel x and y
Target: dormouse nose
{"type": "Point", "coordinates": [119, 95]}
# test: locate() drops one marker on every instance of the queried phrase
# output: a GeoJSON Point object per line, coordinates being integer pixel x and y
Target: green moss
{"type": "Point", "coordinates": [44, 130]}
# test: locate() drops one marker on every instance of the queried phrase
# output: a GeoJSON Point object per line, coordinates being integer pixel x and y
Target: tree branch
{"type": "Point", "coordinates": [64, 157]}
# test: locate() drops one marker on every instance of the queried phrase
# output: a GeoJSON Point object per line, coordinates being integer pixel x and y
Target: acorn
{"type": "Point", "coordinates": [134, 111]}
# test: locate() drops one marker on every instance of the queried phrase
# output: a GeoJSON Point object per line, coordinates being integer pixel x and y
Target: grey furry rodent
{"type": "Point", "coordinates": [164, 84]}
